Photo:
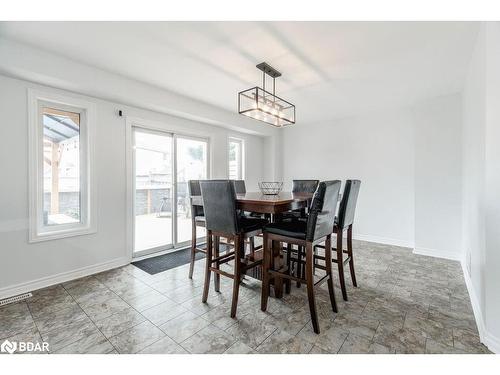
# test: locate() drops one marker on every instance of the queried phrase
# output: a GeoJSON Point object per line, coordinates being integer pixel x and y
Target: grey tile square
{"type": "Point", "coordinates": [147, 300]}
{"type": "Point", "coordinates": [210, 340]}
{"type": "Point", "coordinates": [253, 329]}
{"type": "Point", "coordinates": [119, 322]}
{"type": "Point", "coordinates": [82, 289]}
{"type": "Point", "coordinates": [434, 347]}
{"type": "Point", "coordinates": [184, 326]}
{"type": "Point", "coordinates": [94, 343]}
{"type": "Point", "coordinates": [44, 306]}
{"type": "Point", "coordinates": [60, 318]}
{"type": "Point", "coordinates": [220, 316]}
{"type": "Point", "coordinates": [330, 338]}
{"type": "Point", "coordinates": [355, 344]}
{"type": "Point", "coordinates": [430, 329]}
{"type": "Point", "coordinates": [164, 346]}
{"type": "Point", "coordinates": [402, 340]}
{"type": "Point", "coordinates": [137, 338]}
{"type": "Point", "coordinates": [283, 343]}
{"type": "Point", "coordinates": [69, 333]}
{"type": "Point", "coordinates": [163, 312]}
{"type": "Point", "coordinates": [358, 325]}
{"type": "Point", "coordinates": [15, 319]}
{"type": "Point", "coordinates": [469, 341]}
{"type": "Point", "coordinates": [239, 348]}
{"type": "Point", "coordinates": [102, 308]}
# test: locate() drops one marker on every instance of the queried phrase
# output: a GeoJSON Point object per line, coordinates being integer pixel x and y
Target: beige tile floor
{"type": "Point", "coordinates": [404, 303]}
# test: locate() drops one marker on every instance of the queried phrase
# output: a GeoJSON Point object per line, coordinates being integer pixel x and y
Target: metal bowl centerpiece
{"type": "Point", "coordinates": [270, 188]}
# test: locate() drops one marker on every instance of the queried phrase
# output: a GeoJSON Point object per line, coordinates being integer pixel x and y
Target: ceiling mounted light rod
{"type": "Point", "coordinates": [262, 105]}
{"type": "Point", "coordinates": [271, 72]}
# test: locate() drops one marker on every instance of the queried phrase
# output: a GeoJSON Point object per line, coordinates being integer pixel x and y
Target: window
{"type": "Point", "coordinates": [60, 163]}
{"type": "Point", "coordinates": [235, 159]}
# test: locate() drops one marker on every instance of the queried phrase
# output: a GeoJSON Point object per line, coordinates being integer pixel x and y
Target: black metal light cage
{"type": "Point", "coordinates": [262, 105]}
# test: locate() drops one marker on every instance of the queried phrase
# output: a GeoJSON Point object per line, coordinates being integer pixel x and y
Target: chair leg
{"type": "Point", "coordinates": [266, 264]}
{"type": "Point", "coordinates": [208, 263]}
{"type": "Point", "coordinates": [237, 274]}
{"type": "Point", "coordinates": [217, 264]}
{"type": "Point", "coordinates": [275, 264]}
{"type": "Point", "coordinates": [288, 283]}
{"type": "Point", "coordinates": [310, 287]}
{"type": "Point", "coordinates": [351, 257]}
{"type": "Point", "coordinates": [315, 261]}
{"type": "Point", "coordinates": [340, 264]}
{"type": "Point", "coordinates": [251, 242]}
{"type": "Point", "coordinates": [300, 275]}
{"type": "Point", "coordinates": [193, 249]}
{"type": "Point", "coordinates": [328, 265]}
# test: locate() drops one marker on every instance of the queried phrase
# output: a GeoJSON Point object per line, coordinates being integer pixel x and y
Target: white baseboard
{"type": "Point", "coordinates": [382, 240]}
{"type": "Point", "coordinates": [44, 282]}
{"type": "Point", "coordinates": [437, 253]}
{"type": "Point", "coordinates": [492, 342]}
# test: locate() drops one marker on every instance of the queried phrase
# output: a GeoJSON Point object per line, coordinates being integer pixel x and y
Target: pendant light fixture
{"type": "Point", "coordinates": [262, 105]}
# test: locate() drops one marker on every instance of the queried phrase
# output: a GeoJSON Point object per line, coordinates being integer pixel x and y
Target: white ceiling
{"type": "Point", "coordinates": [330, 69]}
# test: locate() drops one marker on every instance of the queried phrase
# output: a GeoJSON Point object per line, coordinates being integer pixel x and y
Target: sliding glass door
{"type": "Point", "coordinates": [153, 156]}
{"type": "Point", "coordinates": [163, 164]}
{"type": "Point", "coordinates": [191, 164]}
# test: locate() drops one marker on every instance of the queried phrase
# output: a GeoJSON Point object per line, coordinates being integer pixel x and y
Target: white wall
{"type": "Point", "coordinates": [482, 183]}
{"type": "Point", "coordinates": [474, 112]}
{"type": "Point", "coordinates": [399, 155]}
{"type": "Point", "coordinates": [22, 262]}
{"type": "Point", "coordinates": [377, 149]}
{"type": "Point", "coordinates": [438, 177]}
{"type": "Point", "coordinates": [492, 183]}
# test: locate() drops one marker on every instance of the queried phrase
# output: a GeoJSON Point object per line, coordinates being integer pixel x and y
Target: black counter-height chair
{"type": "Point", "coordinates": [239, 186]}
{"type": "Point", "coordinates": [298, 186]}
{"type": "Point", "coordinates": [344, 222]}
{"type": "Point", "coordinates": [317, 229]}
{"type": "Point", "coordinates": [301, 186]}
{"type": "Point", "coordinates": [197, 220]}
{"type": "Point", "coordinates": [223, 220]}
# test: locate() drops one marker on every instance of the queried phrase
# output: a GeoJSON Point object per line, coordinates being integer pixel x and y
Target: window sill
{"type": "Point", "coordinates": [60, 234]}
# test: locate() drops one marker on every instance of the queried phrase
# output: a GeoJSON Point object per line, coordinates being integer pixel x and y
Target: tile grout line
{"type": "Point", "coordinates": [34, 321]}
{"type": "Point", "coordinates": [73, 298]}
{"type": "Point", "coordinates": [133, 308]}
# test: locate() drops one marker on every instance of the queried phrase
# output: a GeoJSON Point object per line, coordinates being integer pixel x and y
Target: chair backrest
{"type": "Point", "coordinates": [219, 203]}
{"type": "Point", "coordinates": [304, 186]}
{"type": "Point", "coordinates": [195, 190]}
{"type": "Point", "coordinates": [322, 211]}
{"type": "Point", "coordinates": [239, 186]}
{"type": "Point", "coordinates": [348, 203]}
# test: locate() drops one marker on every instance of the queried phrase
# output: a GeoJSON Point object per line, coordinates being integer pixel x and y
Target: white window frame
{"type": "Point", "coordinates": [88, 206]}
{"type": "Point", "coordinates": [241, 167]}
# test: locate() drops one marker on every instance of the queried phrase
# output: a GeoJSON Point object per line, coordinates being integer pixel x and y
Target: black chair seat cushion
{"type": "Point", "coordinates": [247, 224]}
{"type": "Point", "coordinates": [296, 214]}
{"type": "Point", "coordinates": [294, 229]}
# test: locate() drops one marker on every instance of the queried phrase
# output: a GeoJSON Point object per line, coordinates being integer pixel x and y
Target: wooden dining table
{"type": "Point", "coordinates": [274, 205]}
{"type": "Point", "coordinates": [266, 204]}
